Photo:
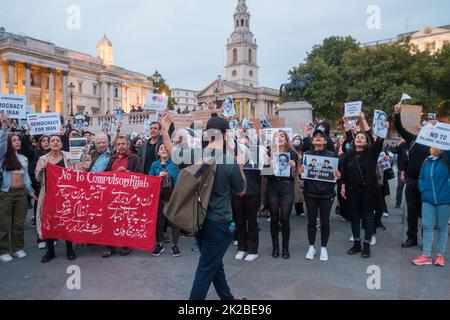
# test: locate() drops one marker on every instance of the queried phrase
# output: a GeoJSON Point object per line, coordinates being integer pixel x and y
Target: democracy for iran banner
{"type": "Point", "coordinates": [110, 208]}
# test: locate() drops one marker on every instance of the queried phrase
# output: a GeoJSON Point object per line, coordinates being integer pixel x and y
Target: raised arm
{"type": "Point", "coordinates": [408, 136]}
{"type": "Point", "coordinates": [3, 136]}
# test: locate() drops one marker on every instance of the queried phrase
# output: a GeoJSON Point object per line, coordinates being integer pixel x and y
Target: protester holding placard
{"type": "Point", "coordinates": [319, 197]}
{"type": "Point", "coordinates": [15, 185]}
{"type": "Point", "coordinates": [416, 156]}
{"type": "Point", "coordinates": [281, 196]}
{"type": "Point", "coordinates": [360, 185]}
{"type": "Point", "coordinates": [434, 184]}
{"type": "Point", "coordinates": [62, 159]}
{"type": "Point", "coordinates": [297, 144]}
{"type": "Point", "coordinates": [325, 127]}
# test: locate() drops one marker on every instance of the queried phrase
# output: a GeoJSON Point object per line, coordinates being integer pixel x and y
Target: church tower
{"type": "Point", "coordinates": [105, 51]}
{"type": "Point", "coordinates": [242, 65]}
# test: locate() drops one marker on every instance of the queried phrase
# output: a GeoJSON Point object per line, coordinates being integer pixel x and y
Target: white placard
{"type": "Point", "coordinates": [353, 109]}
{"type": "Point", "coordinates": [228, 107]}
{"type": "Point", "coordinates": [76, 146]}
{"type": "Point", "coordinates": [156, 102]}
{"type": "Point", "coordinates": [44, 123]}
{"type": "Point", "coordinates": [379, 120]}
{"type": "Point", "coordinates": [437, 136]}
{"type": "Point", "coordinates": [79, 122]}
{"type": "Point", "coordinates": [13, 105]}
{"type": "Point", "coordinates": [280, 161]}
{"type": "Point", "coordinates": [386, 163]}
{"type": "Point", "coordinates": [319, 168]}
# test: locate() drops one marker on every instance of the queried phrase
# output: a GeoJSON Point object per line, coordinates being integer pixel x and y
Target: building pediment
{"type": "Point", "coordinates": [224, 87]}
{"type": "Point", "coordinates": [427, 32]}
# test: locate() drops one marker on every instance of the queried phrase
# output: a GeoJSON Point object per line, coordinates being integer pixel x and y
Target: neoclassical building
{"type": "Point", "coordinates": [430, 39]}
{"type": "Point", "coordinates": [43, 72]}
{"type": "Point", "coordinates": [241, 73]}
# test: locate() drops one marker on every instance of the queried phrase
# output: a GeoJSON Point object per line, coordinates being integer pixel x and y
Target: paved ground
{"type": "Point", "coordinates": [141, 276]}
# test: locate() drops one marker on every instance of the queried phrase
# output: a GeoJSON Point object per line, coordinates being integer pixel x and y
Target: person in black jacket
{"type": "Point", "coordinates": [360, 185]}
{"type": "Point", "coordinates": [401, 151]}
{"type": "Point", "coordinates": [319, 196]}
{"type": "Point", "coordinates": [325, 127]}
{"type": "Point", "coordinates": [280, 195]}
{"type": "Point", "coordinates": [417, 153]}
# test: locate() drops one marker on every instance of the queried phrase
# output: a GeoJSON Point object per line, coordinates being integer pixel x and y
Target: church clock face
{"type": "Point", "coordinates": [250, 73]}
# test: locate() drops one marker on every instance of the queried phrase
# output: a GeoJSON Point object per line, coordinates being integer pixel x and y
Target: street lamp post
{"type": "Point", "coordinates": [71, 89]}
{"type": "Point", "coordinates": [156, 79]}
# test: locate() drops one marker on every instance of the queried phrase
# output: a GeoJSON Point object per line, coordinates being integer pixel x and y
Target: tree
{"type": "Point", "coordinates": [343, 71]}
{"type": "Point", "coordinates": [163, 88]}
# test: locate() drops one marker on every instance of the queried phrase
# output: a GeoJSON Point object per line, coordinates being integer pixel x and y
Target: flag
{"type": "Point", "coordinates": [405, 96]}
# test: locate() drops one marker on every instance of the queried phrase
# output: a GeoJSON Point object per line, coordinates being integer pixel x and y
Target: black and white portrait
{"type": "Point", "coordinates": [282, 168]}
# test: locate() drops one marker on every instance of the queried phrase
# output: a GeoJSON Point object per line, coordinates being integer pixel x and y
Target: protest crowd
{"type": "Point", "coordinates": [306, 170]}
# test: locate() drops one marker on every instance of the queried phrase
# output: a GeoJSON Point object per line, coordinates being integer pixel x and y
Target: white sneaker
{"type": "Point", "coordinates": [240, 255]}
{"type": "Point", "coordinates": [6, 257]}
{"type": "Point", "coordinates": [20, 254]}
{"type": "Point", "coordinates": [311, 253]}
{"type": "Point", "coordinates": [374, 241]}
{"type": "Point", "coordinates": [323, 254]}
{"type": "Point", "coordinates": [42, 245]}
{"type": "Point", "coordinates": [235, 243]}
{"type": "Point", "coordinates": [251, 257]}
{"type": "Point", "coordinates": [351, 239]}
{"type": "Point", "coordinates": [385, 214]}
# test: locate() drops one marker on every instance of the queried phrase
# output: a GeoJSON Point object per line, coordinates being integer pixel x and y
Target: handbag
{"type": "Point", "coordinates": [389, 173]}
{"type": "Point", "coordinates": [167, 187]}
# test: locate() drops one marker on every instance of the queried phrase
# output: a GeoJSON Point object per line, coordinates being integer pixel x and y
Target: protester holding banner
{"type": "Point", "coordinates": [43, 147]}
{"type": "Point", "coordinates": [319, 197]}
{"type": "Point", "coordinates": [164, 167]}
{"type": "Point", "coordinates": [360, 185]}
{"type": "Point", "coordinates": [62, 159]}
{"type": "Point", "coordinates": [15, 186]}
{"type": "Point", "coordinates": [416, 156]}
{"type": "Point", "coordinates": [434, 184]}
{"type": "Point", "coordinates": [122, 161]}
{"type": "Point", "coordinates": [101, 155]}
{"type": "Point", "coordinates": [281, 196]}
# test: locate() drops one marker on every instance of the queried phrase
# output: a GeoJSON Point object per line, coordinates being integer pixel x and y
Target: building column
{"type": "Point", "coordinates": [43, 88]}
{"type": "Point", "coordinates": [103, 102]}
{"type": "Point", "coordinates": [111, 98]}
{"type": "Point", "coordinates": [51, 89]}
{"type": "Point", "coordinates": [11, 77]}
{"type": "Point", "coordinates": [123, 92]}
{"type": "Point", "coordinates": [2, 77]}
{"type": "Point", "coordinates": [28, 83]}
{"type": "Point", "coordinates": [65, 86]}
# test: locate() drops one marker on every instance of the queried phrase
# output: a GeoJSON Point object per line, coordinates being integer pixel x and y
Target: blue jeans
{"type": "Point", "coordinates": [213, 241]}
{"type": "Point", "coordinates": [361, 211]}
{"type": "Point", "coordinates": [432, 217]}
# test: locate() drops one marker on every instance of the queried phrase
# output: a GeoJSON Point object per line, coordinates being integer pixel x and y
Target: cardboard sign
{"type": "Point", "coordinates": [156, 102]}
{"type": "Point", "coordinates": [353, 109]}
{"type": "Point", "coordinates": [76, 147]}
{"type": "Point", "coordinates": [44, 123]}
{"type": "Point", "coordinates": [204, 115]}
{"type": "Point", "coordinates": [13, 105]}
{"type": "Point", "coordinates": [411, 116]}
{"type": "Point", "coordinates": [182, 120]}
{"type": "Point", "coordinates": [437, 136]}
{"type": "Point", "coordinates": [319, 168]}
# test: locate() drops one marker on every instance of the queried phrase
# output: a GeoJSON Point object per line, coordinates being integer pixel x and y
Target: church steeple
{"type": "Point", "coordinates": [242, 65]}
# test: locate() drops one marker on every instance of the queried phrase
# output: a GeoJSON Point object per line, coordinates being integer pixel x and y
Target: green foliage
{"type": "Point", "coordinates": [343, 71]}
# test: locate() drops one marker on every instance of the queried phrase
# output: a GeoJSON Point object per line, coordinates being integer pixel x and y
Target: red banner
{"type": "Point", "coordinates": [110, 208]}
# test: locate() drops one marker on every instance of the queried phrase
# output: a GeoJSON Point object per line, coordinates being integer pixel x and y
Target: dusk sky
{"type": "Point", "coordinates": [185, 39]}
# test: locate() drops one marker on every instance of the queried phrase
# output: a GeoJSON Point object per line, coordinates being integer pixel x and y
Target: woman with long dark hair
{"type": "Point", "coordinates": [280, 194]}
{"type": "Point", "coordinates": [360, 185]}
{"type": "Point", "coordinates": [59, 158]}
{"type": "Point", "coordinates": [16, 184]}
{"type": "Point", "coordinates": [135, 144]}
{"type": "Point", "coordinates": [43, 147]}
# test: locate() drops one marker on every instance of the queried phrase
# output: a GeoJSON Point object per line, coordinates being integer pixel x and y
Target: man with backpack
{"type": "Point", "coordinates": [216, 234]}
